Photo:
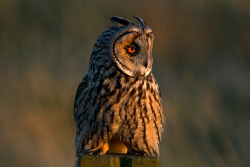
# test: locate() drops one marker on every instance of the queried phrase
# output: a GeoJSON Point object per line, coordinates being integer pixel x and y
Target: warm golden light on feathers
{"type": "Point", "coordinates": [118, 105]}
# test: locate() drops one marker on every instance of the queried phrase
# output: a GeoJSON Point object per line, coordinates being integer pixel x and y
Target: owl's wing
{"type": "Point", "coordinates": [82, 86]}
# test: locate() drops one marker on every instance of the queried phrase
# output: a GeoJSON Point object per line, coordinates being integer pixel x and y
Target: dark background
{"type": "Point", "coordinates": [201, 62]}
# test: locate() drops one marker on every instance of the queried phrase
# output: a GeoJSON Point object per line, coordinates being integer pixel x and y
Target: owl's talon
{"type": "Point", "coordinates": [99, 150]}
{"type": "Point", "coordinates": [104, 149]}
{"type": "Point", "coordinates": [144, 154]}
{"type": "Point", "coordinates": [94, 151]}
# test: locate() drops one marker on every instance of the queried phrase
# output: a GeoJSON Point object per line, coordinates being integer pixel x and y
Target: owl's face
{"type": "Point", "coordinates": [131, 48]}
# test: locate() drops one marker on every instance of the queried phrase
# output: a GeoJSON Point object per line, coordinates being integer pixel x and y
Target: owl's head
{"type": "Point", "coordinates": [131, 47]}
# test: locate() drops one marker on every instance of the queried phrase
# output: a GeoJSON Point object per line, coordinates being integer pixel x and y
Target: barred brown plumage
{"type": "Point", "coordinates": [118, 105]}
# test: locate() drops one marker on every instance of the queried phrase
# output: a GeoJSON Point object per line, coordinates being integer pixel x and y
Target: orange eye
{"type": "Point", "coordinates": [131, 49]}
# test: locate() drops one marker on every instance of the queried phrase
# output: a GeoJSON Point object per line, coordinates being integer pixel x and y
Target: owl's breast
{"type": "Point", "coordinates": [125, 100]}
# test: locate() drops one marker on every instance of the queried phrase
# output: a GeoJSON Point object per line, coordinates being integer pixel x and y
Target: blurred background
{"type": "Point", "coordinates": [201, 62]}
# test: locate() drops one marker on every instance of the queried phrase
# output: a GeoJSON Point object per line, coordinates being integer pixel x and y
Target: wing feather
{"type": "Point", "coordinates": [79, 93]}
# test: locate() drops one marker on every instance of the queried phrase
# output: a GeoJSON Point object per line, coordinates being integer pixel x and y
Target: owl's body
{"type": "Point", "coordinates": [118, 101]}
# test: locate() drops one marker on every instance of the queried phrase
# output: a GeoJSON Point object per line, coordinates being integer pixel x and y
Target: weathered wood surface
{"type": "Point", "coordinates": [116, 160]}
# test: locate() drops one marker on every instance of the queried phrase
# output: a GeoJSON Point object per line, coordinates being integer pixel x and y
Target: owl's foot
{"type": "Point", "coordinates": [141, 154]}
{"type": "Point", "coordinates": [99, 150]}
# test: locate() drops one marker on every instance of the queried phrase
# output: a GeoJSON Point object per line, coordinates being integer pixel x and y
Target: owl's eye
{"type": "Point", "coordinates": [131, 49]}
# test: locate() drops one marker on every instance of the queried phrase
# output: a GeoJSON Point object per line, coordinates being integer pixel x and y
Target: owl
{"type": "Point", "coordinates": [118, 103]}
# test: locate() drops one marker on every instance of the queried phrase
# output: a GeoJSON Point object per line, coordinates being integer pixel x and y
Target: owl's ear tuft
{"type": "Point", "coordinates": [140, 20]}
{"type": "Point", "coordinates": [120, 22]}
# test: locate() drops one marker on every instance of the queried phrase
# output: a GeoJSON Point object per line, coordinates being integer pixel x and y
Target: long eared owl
{"type": "Point", "coordinates": [118, 105]}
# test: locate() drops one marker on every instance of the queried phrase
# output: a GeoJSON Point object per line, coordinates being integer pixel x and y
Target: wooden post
{"type": "Point", "coordinates": [118, 160]}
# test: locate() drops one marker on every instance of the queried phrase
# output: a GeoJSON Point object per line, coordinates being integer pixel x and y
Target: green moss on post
{"type": "Point", "coordinates": [116, 160]}
{"type": "Point", "coordinates": [146, 162]}
{"type": "Point", "coordinates": [100, 161]}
